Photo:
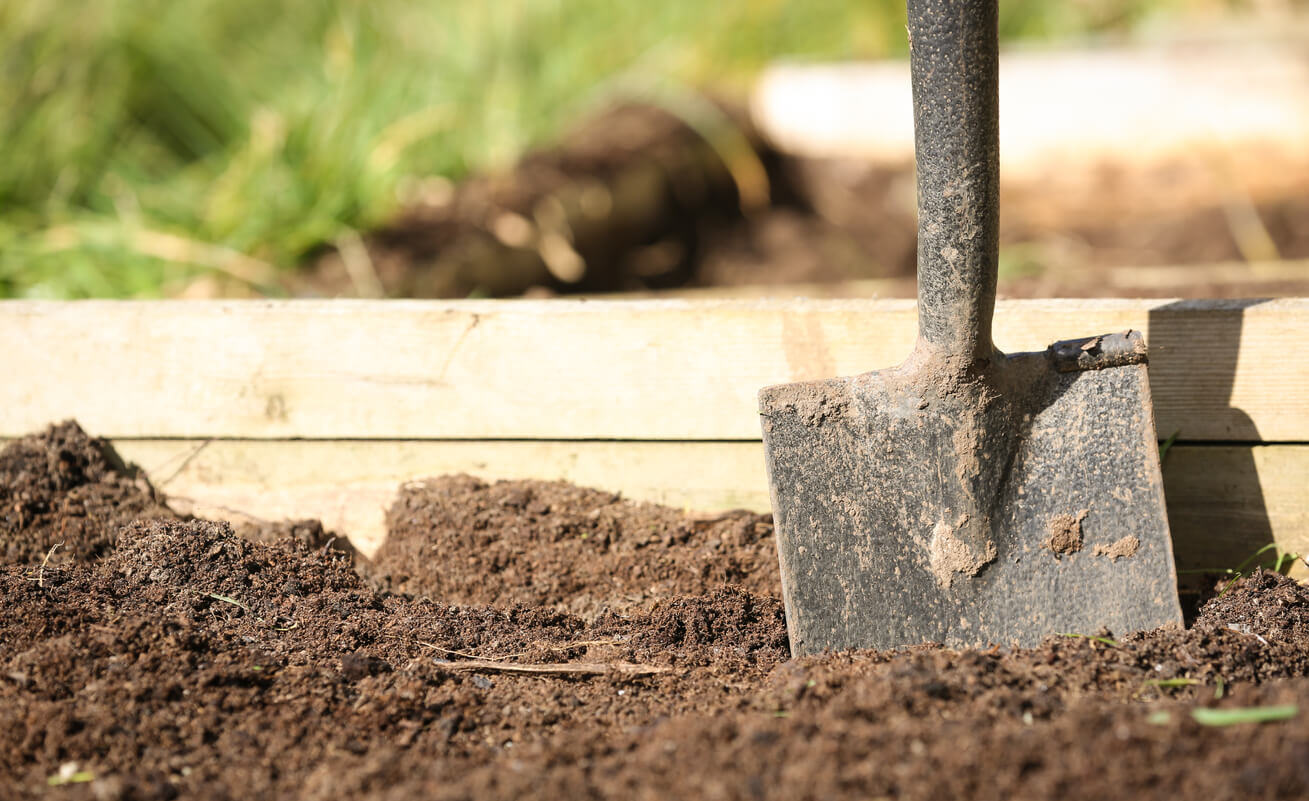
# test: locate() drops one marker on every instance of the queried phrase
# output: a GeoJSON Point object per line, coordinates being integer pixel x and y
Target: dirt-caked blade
{"type": "Point", "coordinates": [1020, 499]}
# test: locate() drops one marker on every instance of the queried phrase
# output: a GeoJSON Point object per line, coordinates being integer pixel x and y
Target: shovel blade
{"type": "Point", "coordinates": [898, 523]}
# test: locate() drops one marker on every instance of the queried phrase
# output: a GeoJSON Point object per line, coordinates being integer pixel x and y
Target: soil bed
{"type": "Point", "coordinates": [535, 640]}
{"type": "Point", "coordinates": [636, 200]}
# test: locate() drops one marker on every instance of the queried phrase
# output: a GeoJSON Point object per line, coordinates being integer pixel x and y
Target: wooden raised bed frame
{"type": "Point", "coordinates": [323, 408]}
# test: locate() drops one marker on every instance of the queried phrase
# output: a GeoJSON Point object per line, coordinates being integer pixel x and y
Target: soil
{"type": "Point", "coordinates": [65, 491]}
{"type": "Point", "coordinates": [1066, 534]}
{"type": "Point", "coordinates": [635, 199]}
{"type": "Point", "coordinates": [571, 549]}
{"type": "Point", "coordinates": [529, 640]}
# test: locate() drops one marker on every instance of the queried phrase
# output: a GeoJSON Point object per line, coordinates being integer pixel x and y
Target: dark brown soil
{"type": "Point", "coordinates": [634, 195]}
{"type": "Point", "coordinates": [555, 545]}
{"type": "Point", "coordinates": [63, 488]}
{"type": "Point", "coordinates": [182, 660]}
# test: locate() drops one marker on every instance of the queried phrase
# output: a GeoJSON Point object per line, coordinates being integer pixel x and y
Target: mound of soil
{"type": "Point", "coordinates": [636, 199]}
{"type": "Point", "coordinates": [63, 488]}
{"type": "Point", "coordinates": [578, 550]}
{"type": "Point", "coordinates": [627, 201]}
{"type": "Point", "coordinates": [183, 660]}
{"type": "Point", "coordinates": [192, 661]}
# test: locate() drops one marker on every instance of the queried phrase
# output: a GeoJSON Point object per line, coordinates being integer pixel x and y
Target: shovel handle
{"type": "Point", "coordinates": [954, 62]}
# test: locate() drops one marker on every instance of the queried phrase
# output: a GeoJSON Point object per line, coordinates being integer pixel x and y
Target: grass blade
{"type": "Point", "coordinates": [1250, 714]}
{"type": "Point", "coordinates": [1105, 640]}
{"type": "Point", "coordinates": [1171, 682]}
{"type": "Point", "coordinates": [1167, 445]}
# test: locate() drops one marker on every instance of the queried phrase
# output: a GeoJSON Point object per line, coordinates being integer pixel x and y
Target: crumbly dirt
{"type": "Point", "coordinates": [582, 551]}
{"type": "Point", "coordinates": [1065, 534]}
{"type": "Point", "coordinates": [309, 533]}
{"type": "Point", "coordinates": [184, 661]}
{"type": "Point", "coordinates": [1119, 549]}
{"type": "Point", "coordinates": [63, 488]}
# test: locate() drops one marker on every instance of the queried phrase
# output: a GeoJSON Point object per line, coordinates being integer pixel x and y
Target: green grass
{"type": "Point", "coordinates": [1279, 560]}
{"type": "Point", "coordinates": [1171, 684]}
{"type": "Point", "coordinates": [1253, 714]}
{"type": "Point", "coordinates": [1167, 445]}
{"type": "Point", "coordinates": [69, 774]}
{"type": "Point", "coordinates": [1208, 716]}
{"type": "Point", "coordinates": [147, 142]}
{"type": "Point", "coordinates": [1103, 640]}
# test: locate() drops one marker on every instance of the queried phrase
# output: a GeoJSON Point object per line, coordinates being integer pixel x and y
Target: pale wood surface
{"type": "Point", "coordinates": [642, 370]}
{"type": "Point", "coordinates": [1072, 110]}
{"type": "Point", "coordinates": [1236, 279]}
{"type": "Point", "coordinates": [1225, 501]}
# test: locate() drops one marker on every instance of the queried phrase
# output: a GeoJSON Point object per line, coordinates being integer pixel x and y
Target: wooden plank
{"type": "Point", "coordinates": [1225, 502]}
{"type": "Point", "coordinates": [1219, 280]}
{"type": "Point", "coordinates": [676, 370]}
{"type": "Point", "coordinates": [1121, 106]}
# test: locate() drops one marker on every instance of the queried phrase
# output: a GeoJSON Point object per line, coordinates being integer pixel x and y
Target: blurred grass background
{"type": "Point", "coordinates": [144, 143]}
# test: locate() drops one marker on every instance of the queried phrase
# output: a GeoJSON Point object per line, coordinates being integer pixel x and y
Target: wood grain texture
{"type": "Point", "coordinates": [1224, 501]}
{"type": "Point", "coordinates": [1231, 279]}
{"type": "Point", "coordinates": [633, 370]}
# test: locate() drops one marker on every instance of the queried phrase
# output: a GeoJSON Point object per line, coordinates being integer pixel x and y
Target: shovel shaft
{"type": "Point", "coordinates": [955, 66]}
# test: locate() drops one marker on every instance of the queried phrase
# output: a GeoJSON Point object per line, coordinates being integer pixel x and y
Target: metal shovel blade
{"type": "Point", "coordinates": [1020, 499]}
{"type": "Point", "coordinates": [968, 497]}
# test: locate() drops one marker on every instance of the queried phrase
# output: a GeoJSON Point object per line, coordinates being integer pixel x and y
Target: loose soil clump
{"type": "Point", "coordinates": [63, 488]}
{"type": "Point", "coordinates": [183, 660]}
{"type": "Point", "coordinates": [463, 540]}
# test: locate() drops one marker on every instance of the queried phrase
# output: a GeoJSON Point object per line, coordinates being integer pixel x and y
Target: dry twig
{"type": "Point", "coordinates": [40, 573]}
{"type": "Point", "coordinates": [565, 647]}
{"type": "Point", "coordinates": [557, 669]}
